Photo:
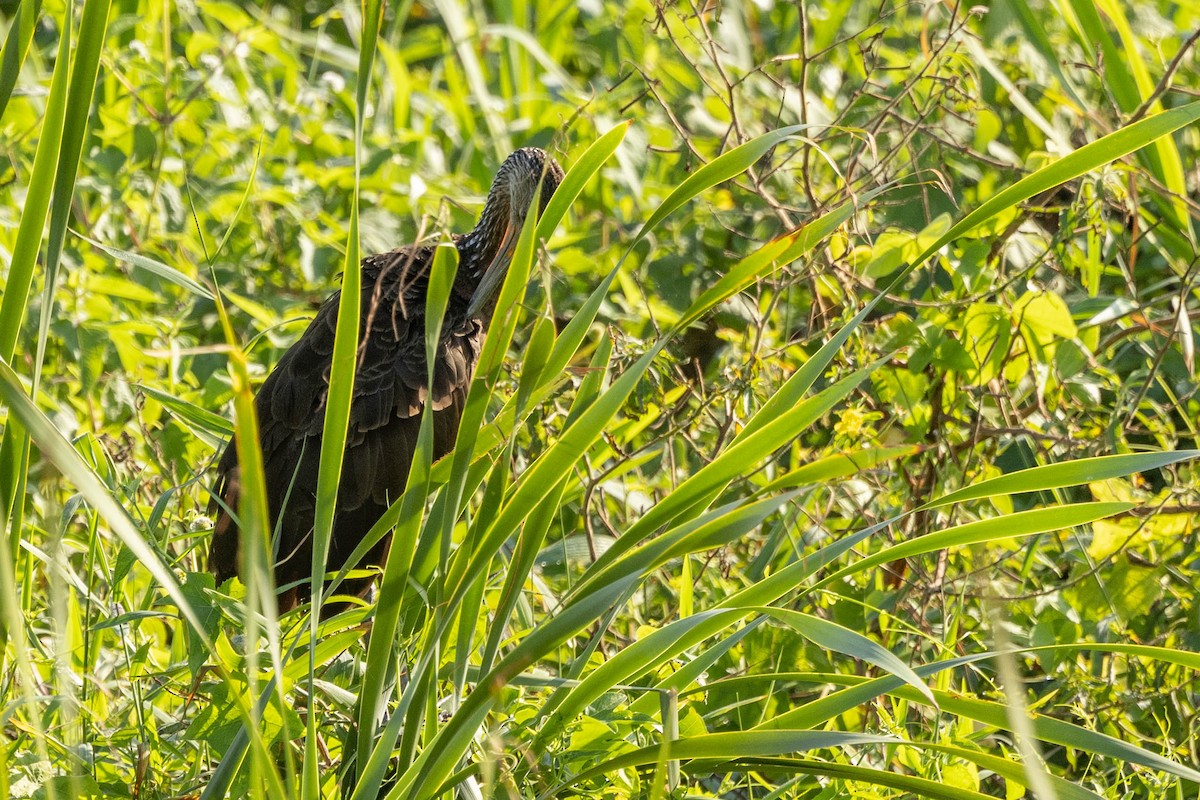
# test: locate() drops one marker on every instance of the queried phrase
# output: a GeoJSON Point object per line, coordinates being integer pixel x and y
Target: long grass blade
{"type": "Point", "coordinates": [1069, 473]}
{"type": "Point", "coordinates": [1023, 523]}
{"type": "Point", "coordinates": [729, 746]}
{"type": "Point", "coordinates": [14, 445]}
{"type": "Point", "coordinates": [16, 46]}
{"type": "Point", "coordinates": [340, 392]}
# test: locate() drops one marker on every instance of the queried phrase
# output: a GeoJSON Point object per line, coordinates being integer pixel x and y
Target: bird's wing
{"type": "Point", "coordinates": [389, 393]}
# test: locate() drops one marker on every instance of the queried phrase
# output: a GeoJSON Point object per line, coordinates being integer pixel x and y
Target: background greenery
{"type": "Point", "coordinates": [760, 643]}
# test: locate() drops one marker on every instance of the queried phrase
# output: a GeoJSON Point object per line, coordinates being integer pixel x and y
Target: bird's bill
{"type": "Point", "coordinates": [493, 276]}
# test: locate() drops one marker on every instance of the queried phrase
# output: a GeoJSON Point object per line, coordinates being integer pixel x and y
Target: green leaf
{"type": "Point", "coordinates": [438, 759]}
{"type": "Point", "coordinates": [720, 169]}
{"type": "Point", "coordinates": [727, 747]}
{"type": "Point", "coordinates": [646, 654]}
{"type": "Point", "coordinates": [339, 397]}
{"type": "Point", "coordinates": [774, 254]}
{"type": "Point", "coordinates": [194, 416]}
{"type": "Point", "coordinates": [1105, 150]}
{"type": "Point", "coordinates": [1025, 523]}
{"type": "Point", "coordinates": [581, 172]}
{"type": "Point", "coordinates": [749, 447]}
{"type": "Point", "coordinates": [16, 46]}
{"type": "Point", "coordinates": [59, 451]}
{"type": "Point", "coordinates": [1070, 473]}
{"type": "Point", "coordinates": [37, 203]}
{"type": "Point", "coordinates": [832, 636]}
{"type": "Point", "coordinates": [152, 266]}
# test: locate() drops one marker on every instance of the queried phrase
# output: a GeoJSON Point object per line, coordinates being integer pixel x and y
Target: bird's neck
{"type": "Point", "coordinates": [478, 248]}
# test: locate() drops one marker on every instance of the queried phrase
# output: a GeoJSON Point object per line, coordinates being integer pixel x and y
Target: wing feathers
{"type": "Point", "coordinates": [389, 394]}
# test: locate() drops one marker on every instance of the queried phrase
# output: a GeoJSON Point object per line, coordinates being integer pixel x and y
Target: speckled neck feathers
{"type": "Point", "coordinates": [503, 216]}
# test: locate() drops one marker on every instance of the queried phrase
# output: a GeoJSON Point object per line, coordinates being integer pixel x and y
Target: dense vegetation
{"type": "Point", "coordinates": [837, 446]}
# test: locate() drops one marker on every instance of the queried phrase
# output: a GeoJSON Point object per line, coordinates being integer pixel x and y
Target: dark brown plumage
{"type": "Point", "coordinates": [389, 389]}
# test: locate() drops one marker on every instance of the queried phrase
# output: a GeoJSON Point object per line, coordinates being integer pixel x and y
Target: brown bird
{"type": "Point", "coordinates": [389, 389]}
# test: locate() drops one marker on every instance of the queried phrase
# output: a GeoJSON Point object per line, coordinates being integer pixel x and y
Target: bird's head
{"type": "Point", "coordinates": [490, 246]}
{"type": "Point", "coordinates": [521, 173]}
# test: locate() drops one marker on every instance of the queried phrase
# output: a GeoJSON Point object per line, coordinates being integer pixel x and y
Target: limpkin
{"type": "Point", "coordinates": [389, 389]}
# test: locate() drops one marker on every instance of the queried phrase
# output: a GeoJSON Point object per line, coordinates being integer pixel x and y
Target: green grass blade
{"type": "Point", "coordinates": [393, 586]}
{"type": "Point", "coordinates": [1127, 77]}
{"type": "Point", "coordinates": [440, 757]}
{"type": "Point", "coordinates": [832, 636]}
{"type": "Point", "coordinates": [1058, 732]}
{"type": "Point", "coordinates": [529, 543]}
{"type": "Point", "coordinates": [464, 41]}
{"type": "Point", "coordinates": [487, 371]}
{"type": "Point", "coordinates": [788, 395]}
{"type": "Point", "coordinates": [340, 392]}
{"type": "Point", "coordinates": [213, 428]}
{"type": "Point", "coordinates": [14, 445]}
{"type": "Point", "coordinates": [1014, 771]}
{"type": "Point", "coordinates": [726, 747]}
{"type": "Point", "coordinates": [775, 586]}
{"type": "Point", "coordinates": [60, 452]}
{"type": "Point", "coordinates": [774, 254]}
{"type": "Point", "coordinates": [37, 203]}
{"type": "Point", "coordinates": [541, 477]}
{"type": "Point", "coordinates": [720, 169]}
{"type": "Point", "coordinates": [496, 343]}
{"type": "Point", "coordinates": [152, 266]}
{"type": "Point", "coordinates": [1034, 28]}
{"type": "Point", "coordinates": [920, 787]}
{"type": "Point", "coordinates": [578, 176]}
{"type": "Point", "coordinates": [254, 531]}
{"type": "Point", "coordinates": [1103, 151]}
{"type": "Point", "coordinates": [1070, 473]}
{"type": "Point", "coordinates": [840, 465]}
{"type": "Point", "coordinates": [862, 690]}
{"type": "Point", "coordinates": [713, 529]}
{"type": "Point", "coordinates": [700, 489]}
{"type": "Point", "coordinates": [1024, 523]}
{"type": "Point", "coordinates": [84, 66]}
{"type": "Point", "coordinates": [693, 671]}
{"type": "Point", "coordinates": [16, 46]}
{"type": "Point", "coordinates": [646, 654]}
